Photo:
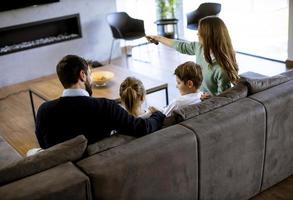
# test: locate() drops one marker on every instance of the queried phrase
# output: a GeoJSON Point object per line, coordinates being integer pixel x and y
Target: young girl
{"type": "Point", "coordinates": [132, 94]}
{"type": "Point", "coordinates": [214, 53]}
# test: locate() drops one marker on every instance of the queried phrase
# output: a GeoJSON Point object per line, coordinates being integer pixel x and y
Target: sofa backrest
{"type": "Point", "coordinates": [231, 150]}
{"type": "Point", "coordinates": [278, 103]}
{"type": "Point", "coordinates": [235, 93]}
{"type": "Point", "coordinates": [108, 143]}
{"type": "Point", "coordinates": [162, 165]}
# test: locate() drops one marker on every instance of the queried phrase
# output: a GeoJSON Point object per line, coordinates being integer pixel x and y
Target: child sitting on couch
{"type": "Point", "coordinates": [132, 94]}
{"type": "Point", "coordinates": [188, 81]}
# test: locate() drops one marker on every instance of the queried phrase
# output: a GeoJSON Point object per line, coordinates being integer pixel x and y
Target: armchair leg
{"type": "Point", "coordinates": [111, 51]}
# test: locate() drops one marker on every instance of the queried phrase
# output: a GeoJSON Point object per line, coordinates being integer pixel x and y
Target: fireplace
{"type": "Point", "coordinates": [40, 33]}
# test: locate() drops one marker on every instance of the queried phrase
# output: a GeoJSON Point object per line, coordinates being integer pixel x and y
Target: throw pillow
{"type": "Point", "coordinates": [70, 150]}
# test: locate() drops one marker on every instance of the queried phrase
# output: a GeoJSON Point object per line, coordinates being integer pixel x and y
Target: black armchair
{"type": "Point", "coordinates": [124, 27]}
{"type": "Point", "coordinates": [204, 10]}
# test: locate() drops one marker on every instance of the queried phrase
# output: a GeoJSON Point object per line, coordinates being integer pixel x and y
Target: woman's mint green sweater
{"type": "Point", "coordinates": [215, 79]}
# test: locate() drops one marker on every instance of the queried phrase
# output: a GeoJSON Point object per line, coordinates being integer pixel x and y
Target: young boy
{"type": "Point", "coordinates": [188, 81]}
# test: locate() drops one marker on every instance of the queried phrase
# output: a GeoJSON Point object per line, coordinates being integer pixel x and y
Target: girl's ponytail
{"type": "Point", "coordinates": [132, 93]}
{"type": "Point", "coordinates": [129, 99]}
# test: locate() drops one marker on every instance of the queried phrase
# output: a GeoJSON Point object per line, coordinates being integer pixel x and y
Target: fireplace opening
{"type": "Point", "coordinates": [40, 33]}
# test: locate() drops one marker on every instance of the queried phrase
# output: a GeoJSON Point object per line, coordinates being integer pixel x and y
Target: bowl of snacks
{"type": "Point", "coordinates": [100, 78]}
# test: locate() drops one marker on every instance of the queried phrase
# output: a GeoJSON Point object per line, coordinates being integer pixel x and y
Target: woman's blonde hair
{"type": "Point", "coordinates": [132, 92]}
{"type": "Point", "coordinates": [216, 39]}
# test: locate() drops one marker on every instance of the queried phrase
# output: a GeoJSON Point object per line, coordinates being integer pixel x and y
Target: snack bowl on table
{"type": "Point", "coordinates": [100, 78]}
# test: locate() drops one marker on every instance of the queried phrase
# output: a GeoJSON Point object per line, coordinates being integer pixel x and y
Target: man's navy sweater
{"type": "Point", "coordinates": [64, 118]}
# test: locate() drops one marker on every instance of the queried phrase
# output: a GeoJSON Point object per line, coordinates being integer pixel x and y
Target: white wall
{"type": "Point", "coordinates": [94, 44]}
{"type": "Point", "coordinates": [290, 37]}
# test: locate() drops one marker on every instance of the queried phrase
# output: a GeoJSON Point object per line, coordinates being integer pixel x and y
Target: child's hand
{"type": "Point", "coordinates": [152, 109]}
{"type": "Point", "coordinates": [205, 96]}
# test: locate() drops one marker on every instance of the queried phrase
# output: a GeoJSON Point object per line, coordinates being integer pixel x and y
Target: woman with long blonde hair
{"type": "Point", "coordinates": [214, 53]}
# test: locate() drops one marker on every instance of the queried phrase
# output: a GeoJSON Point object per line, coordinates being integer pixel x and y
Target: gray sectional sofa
{"type": "Point", "coordinates": [232, 146]}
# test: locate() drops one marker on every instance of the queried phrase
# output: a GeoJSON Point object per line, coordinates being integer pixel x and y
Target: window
{"type": "Point", "coordinates": [257, 27]}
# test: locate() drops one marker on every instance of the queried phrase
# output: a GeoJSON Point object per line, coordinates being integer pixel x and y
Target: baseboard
{"type": "Point", "coordinates": [289, 64]}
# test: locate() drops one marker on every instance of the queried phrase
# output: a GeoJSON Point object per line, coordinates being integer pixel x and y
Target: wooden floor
{"type": "Point", "coordinates": [158, 62]}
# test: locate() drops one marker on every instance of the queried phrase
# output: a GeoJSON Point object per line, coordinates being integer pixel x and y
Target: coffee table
{"type": "Point", "coordinates": [52, 88]}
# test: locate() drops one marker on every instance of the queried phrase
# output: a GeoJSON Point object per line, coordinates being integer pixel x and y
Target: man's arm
{"type": "Point", "coordinates": [130, 125]}
{"type": "Point", "coordinates": [39, 131]}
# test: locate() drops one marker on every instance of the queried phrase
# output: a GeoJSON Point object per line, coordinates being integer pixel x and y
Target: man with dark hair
{"type": "Point", "coordinates": [77, 113]}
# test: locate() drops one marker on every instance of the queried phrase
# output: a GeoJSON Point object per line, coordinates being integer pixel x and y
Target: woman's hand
{"type": "Point", "coordinates": [161, 39]}
{"type": "Point", "coordinates": [152, 40]}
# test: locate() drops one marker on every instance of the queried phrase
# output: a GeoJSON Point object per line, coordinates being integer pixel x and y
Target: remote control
{"type": "Point", "coordinates": [152, 40]}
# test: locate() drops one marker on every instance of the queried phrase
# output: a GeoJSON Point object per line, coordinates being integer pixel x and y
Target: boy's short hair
{"type": "Point", "coordinates": [189, 71]}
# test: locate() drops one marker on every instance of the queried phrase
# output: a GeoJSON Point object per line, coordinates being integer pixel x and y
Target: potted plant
{"type": "Point", "coordinates": [166, 9]}
{"type": "Point", "coordinates": [166, 21]}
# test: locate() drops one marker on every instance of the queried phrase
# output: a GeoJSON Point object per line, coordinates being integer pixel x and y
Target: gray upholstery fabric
{"type": "Point", "coordinates": [62, 182]}
{"type": "Point", "coordinates": [70, 150]}
{"type": "Point", "coordinates": [108, 143]}
{"type": "Point", "coordinates": [8, 154]}
{"type": "Point", "coordinates": [252, 75]}
{"type": "Point", "coordinates": [231, 150]}
{"type": "Point", "coordinates": [171, 120]}
{"type": "Point", "coordinates": [162, 165]}
{"type": "Point", "coordinates": [278, 102]}
{"type": "Point", "coordinates": [235, 93]}
{"type": "Point", "coordinates": [258, 85]}
{"type": "Point", "coordinates": [190, 111]}
{"type": "Point", "coordinates": [288, 74]}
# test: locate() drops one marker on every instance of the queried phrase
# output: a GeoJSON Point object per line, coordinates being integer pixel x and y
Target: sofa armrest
{"type": "Point", "coordinates": [257, 82]}
{"type": "Point", "coordinates": [252, 75]}
{"type": "Point", "coordinates": [70, 150]}
{"type": "Point", "coordinates": [60, 182]}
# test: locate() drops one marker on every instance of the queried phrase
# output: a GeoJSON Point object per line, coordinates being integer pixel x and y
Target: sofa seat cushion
{"type": "Point", "coordinates": [108, 143]}
{"type": "Point", "coordinates": [7, 154]}
{"type": "Point", "coordinates": [70, 150]}
{"type": "Point", "coordinates": [64, 181]}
